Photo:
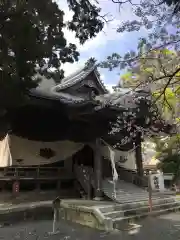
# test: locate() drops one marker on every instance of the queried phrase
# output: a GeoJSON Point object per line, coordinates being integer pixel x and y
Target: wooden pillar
{"type": "Point", "coordinates": [98, 170]}
{"type": "Point", "coordinates": [138, 155]}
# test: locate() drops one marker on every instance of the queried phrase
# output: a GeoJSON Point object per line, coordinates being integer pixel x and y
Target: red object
{"type": "Point", "coordinates": [15, 188]}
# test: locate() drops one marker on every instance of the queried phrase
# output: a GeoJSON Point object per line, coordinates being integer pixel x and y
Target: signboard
{"type": "Point", "coordinates": [157, 182]}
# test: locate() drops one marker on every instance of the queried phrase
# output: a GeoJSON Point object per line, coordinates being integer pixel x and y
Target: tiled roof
{"type": "Point", "coordinates": [53, 95]}
{"type": "Point", "coordinates": [77, 77]}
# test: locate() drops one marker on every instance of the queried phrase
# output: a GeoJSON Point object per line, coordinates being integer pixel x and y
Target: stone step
{"type": "Point", "coordinates": [130, 197]}
{"type": "Point", "coordinates": [111, 188]}
{"type": "Point", "coordinates": [122, 217]}
{"type": "Point", "coordinates": [132, 205]}
{"type": "Point", "coordinates": [133, 195]}
{"type": "Point", "coordinates": [119, 221]}
{"type": "Point", "coordinates": [114, 214]}
{"type": "Point", "coordinates": [120, 183]}
{"type": "Point", "coordinates": [125, 192]}
{"type": "Point", "coordinates": [129, 200]}
{"type": "Point", "coordinates": [145, 209]}
{"type": "Point", "coordinates": [130, 194]}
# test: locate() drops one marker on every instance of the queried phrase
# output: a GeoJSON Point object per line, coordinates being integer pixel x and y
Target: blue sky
{"type": "Point", "coordinates": [106, 42]}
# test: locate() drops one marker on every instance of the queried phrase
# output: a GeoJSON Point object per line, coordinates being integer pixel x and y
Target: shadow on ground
{"type": "Point", "coordinates": [166, 227]}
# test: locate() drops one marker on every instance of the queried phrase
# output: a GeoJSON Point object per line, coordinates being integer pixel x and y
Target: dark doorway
{"type": "Point", "coordinates": [85, 156]}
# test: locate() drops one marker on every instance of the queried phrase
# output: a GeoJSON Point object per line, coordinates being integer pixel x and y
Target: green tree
{"type": "Point", "coordinates": [171, 164]}
{"type": "Point", "coordinates": [168, 152]}
{"type": "Point", "coordinates": [159, 71]}
{"type": "Point", "coordinates": [32, 43]}
{"type": "Point", "coordinates": [166, 147]}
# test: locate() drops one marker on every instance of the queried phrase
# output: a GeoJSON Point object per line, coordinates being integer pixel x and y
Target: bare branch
{"type": "Point", "coordinates": [168, 104]}
{"type": "Point", "coordinates": [177, 89]}
{"type": "Point", "coordinates": [152, 49]}
{"type": "Point", "coordinates": [105, 19]}
{"type": "Point", "coordinates": [119, 2]}
{"type": "Point", "coordinates": [127, 1]}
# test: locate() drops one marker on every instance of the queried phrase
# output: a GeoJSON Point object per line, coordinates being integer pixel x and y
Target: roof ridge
{"type": "Point", "coordinates": [79, 76]}
{"type": "Point", "coordinates": [99, 79]}
{"type": "Point", "coordinates": [71, 75]}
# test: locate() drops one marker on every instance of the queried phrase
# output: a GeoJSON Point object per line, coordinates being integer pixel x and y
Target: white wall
{"type": "Point", "coordinates": [29, 150]}
{"type": "Point", "coordinates": [129, 164]}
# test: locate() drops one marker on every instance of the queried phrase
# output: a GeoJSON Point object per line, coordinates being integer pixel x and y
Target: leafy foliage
{"type": "Point", "coordinates": [167, 146]}
{"type": "Point", "coordinates": [32, 43]}
{"type": "Point", "coordinates": [171, 164]}
{"type": "Point", "coordinates": [86, 21]}
{"type": "Point", "coordinates": [163, 32]}
{"type": "Point", "coordinates": [159, 71]}
{"type": "Point", "coordinates": [168, 152]}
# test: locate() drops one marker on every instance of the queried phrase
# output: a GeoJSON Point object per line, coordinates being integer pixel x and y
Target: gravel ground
{"type": "Point", "coordinates": [165, 227]}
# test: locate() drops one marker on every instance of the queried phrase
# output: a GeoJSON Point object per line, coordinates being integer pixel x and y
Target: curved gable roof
{"type": "Point", "coordinates": [77, 77]}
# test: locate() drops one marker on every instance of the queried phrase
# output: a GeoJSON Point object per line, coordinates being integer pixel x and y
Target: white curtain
{"type": "Point", "coordinates": [5, 153]}
{"type": "Point", "coordinates": [29, 151]}
{"type": "Point", "coordinates": [112, 158]}
{"type": "Point", "coordinates": [114, 171]}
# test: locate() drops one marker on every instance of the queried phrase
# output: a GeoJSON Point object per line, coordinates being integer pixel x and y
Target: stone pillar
{"type": "Point", "coordinates": [98, 171]}
{"type": "Point", "coordinates": [138, 155]}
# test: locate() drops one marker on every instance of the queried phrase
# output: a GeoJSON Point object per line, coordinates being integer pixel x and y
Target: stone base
{"type": "Point", "coordinates": [85, 213]}
{"type": "Point", "coordinates": [98, 199]}
{"type": "Point", "coordinates": [53, 233]}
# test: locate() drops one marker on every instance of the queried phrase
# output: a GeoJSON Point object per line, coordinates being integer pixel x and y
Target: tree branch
{"type": "Point", "coordinates": [167, 84]}
{"type": "Point", "coordinates": [127, 1]}
{"type": "Point", "coordinates": [152, 49]}
{"type": "Point", "coordinates": [120, 2]}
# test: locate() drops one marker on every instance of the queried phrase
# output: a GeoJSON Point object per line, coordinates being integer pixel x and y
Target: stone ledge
{"type": "Point", "coordinates": [78, 211]}
{"type": "Point", "coordinates": [22, 212]}
{"type": "Point", "coordinates": [86, 213]}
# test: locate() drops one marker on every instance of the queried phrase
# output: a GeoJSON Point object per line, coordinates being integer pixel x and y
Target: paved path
{"type": "Point", "coordinates": [166, 227]}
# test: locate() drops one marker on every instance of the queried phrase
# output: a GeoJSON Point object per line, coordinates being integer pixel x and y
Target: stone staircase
{"type": "Point", "coordinates": [130, 202]}
{"type": "Point", "coordinates": [124, 216]}
{"type": "Point", "coordinates": [126, 192]}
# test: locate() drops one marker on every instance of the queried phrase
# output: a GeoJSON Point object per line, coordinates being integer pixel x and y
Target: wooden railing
{"type": "Point", "coordinates": [132, 177]}
{"type": "Point", "coordinates": [35, 172]}
{"type": "Point", "coordinates": [85, 176]}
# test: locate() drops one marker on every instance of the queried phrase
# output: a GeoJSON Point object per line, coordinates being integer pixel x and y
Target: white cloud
{"type": "Point", "coordinates": [90, 47]}
{"type": "Point", "coordinates": [95, 46]}
{"type": "Point", "coordinates": [109, 33]}
{"type": "Point", "coordinates": [70, 68]}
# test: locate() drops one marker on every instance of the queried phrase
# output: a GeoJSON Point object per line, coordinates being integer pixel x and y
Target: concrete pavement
{"type": "Point", "coordinates": [166, 227]}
